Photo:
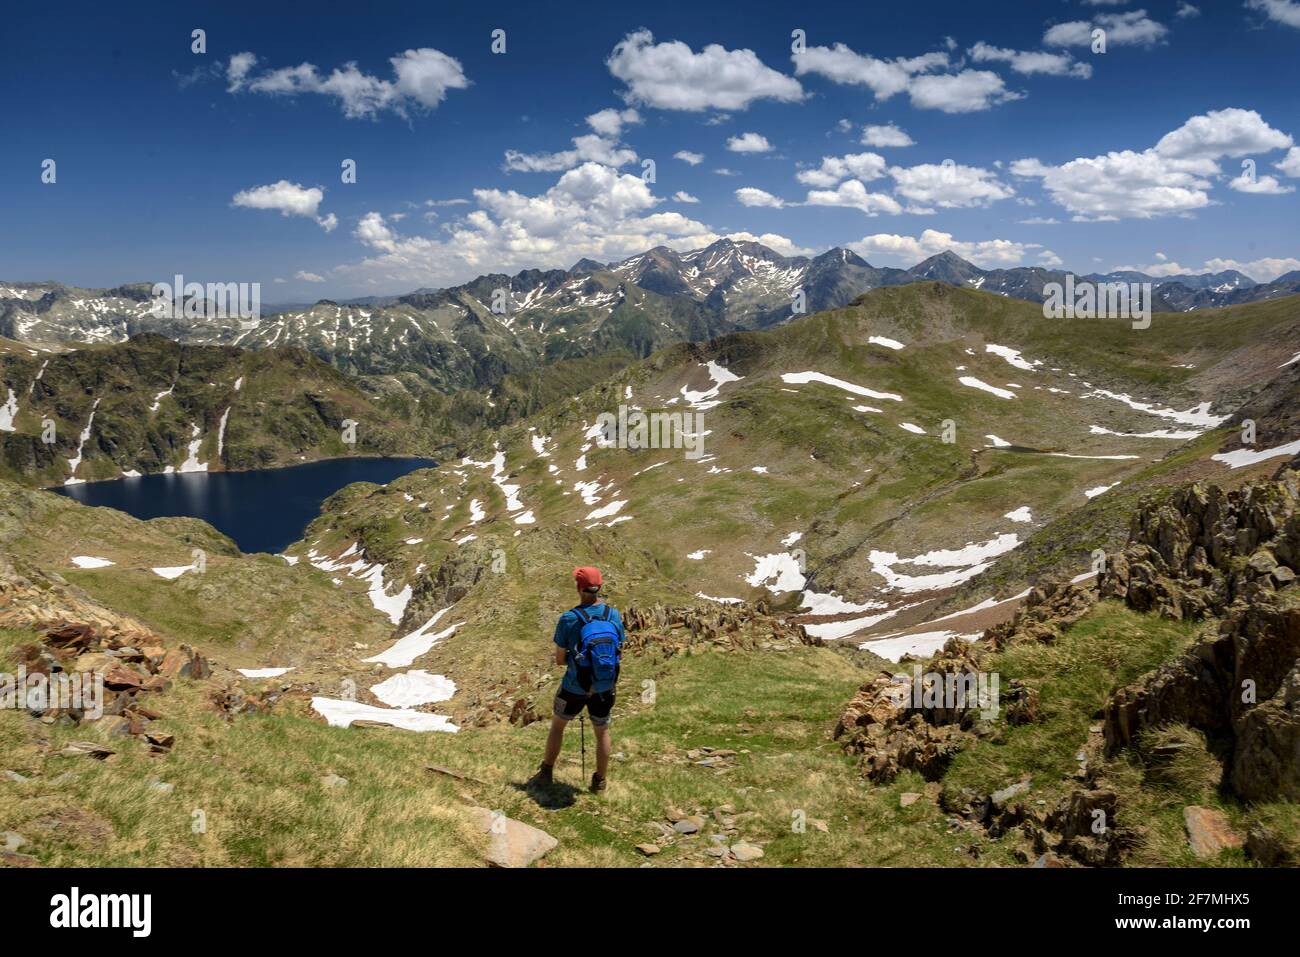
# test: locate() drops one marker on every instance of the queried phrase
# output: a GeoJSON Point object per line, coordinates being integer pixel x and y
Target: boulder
{"type": "Point", "coordinates": [114, 725]}
{"type": "Point", "coordinates": [1208, 831]}
{"type": "Point", "coordinates": [511, 843]}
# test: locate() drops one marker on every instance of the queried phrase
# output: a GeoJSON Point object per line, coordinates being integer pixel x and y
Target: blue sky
{"type": "Point", "coordinates": [1026, 146]}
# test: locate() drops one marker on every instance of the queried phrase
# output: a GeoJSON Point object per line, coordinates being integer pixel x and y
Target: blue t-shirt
{"type": "Point", "coordinates": [567, 632]}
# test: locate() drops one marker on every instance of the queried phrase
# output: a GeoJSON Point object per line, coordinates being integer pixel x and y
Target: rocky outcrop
{"type": "Point", "coordinates": [672, 630]}
{"type": "Point", "coordinates": [921, 722]}
{"type": "Point", "coordinates": [1048, 609]}
{"type": "Point", "coordinates": [80, 638]}
{"type": "Point", "coordinates": [1266, 759]}
{"type": "Point", "coordinates": [1204, 548]}
{"type": "Point", "coordinates": [1199, 552]}
{"type": "Point", "coordinates": [1207, 552]}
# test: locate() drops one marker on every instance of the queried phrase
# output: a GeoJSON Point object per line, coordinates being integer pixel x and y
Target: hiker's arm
{"type": "Point", "coordinates": [561, 646]}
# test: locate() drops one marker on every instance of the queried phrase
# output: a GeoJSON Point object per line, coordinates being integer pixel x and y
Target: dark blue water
{"type": "Point", "coordinates": [263, 511]}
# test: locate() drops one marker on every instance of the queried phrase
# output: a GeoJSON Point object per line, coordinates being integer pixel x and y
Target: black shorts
{"type": "Point", "coordinates": [599, 704]}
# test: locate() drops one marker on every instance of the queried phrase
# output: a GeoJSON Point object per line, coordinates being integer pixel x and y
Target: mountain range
{"type": "Point", "coordinates": [474, 335]}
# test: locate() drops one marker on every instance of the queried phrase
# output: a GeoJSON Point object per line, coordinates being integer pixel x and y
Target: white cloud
{"type": "Point", "coordinates": [1262, 270]}
{"type": "Point", "coordinates": [1289, 165]}
{"type": "Point", "coordinates": [686, 156]}
{"type": "Point", "coordinates": [749, 143]}
{"type": "Point", "coordinates": [601, 146]}
{"type": "Point", "coordinates": [1266, 185]}
{"type": "Point", "coordinates": [1186, 11]}
{"type": "Point", "coordinates": [682, 196]}
{"type": "Point", "coordinates": [1130, 28]}
{"type": "Point", "coordinates": [671, 76]}
{"type": "Point", "coordinates": [969, 91]}
{"type": "Point", "coordinates": [963, 92]}
{"type": "Point", "coordinates": [893, 249]}
{"type": "Point", "coordinates": [854, 195]}
{"type": "Point", "coordinates": [1122, 184]}
{"type": "Point", "coordinates": [885, 136]}
{"type": "Point", "coordinates": [1172, 178]}
{"type": "Point", "coordinates": [238, 68]}
{"type": "Point", "coordinates": [863, 166]}
{"type": "Point", "coordinates": [610, 122]}
{"type": "Point", "coordinates": [421, 79]}
{"type": "Point", "coordinates": [308, 276]}
{"type": "Point", "coordinates": [1031, 62]}
{"type": "Point", "coordinates": [1286, 12]}
{"type": "Point", "coordinates": [884, 78]}
{"type": "Point", "coordinates": [1218, 133]}
{"type": "Point", "coordinates": [290, 199]}
{"type": "Point", "coordinates": [949, 185]}
{"type": "Point", "coordinates": [749, 196]}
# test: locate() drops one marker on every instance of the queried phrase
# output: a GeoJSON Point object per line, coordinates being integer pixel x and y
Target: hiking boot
{"type": "Point", "coordinates": [597, 784]}
{"type": "Point", "coordinates": [542, 778]}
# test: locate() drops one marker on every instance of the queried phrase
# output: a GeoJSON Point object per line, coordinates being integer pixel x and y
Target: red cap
{"type": "Point", "coordinates": [588, 578]}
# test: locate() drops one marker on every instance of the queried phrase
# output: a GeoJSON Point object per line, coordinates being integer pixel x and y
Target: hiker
{"type": "Point", "coordinates": [588, 642]}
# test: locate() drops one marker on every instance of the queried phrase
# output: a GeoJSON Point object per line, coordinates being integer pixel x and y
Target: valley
{"type": "Point", "coordinates": [924, 473]}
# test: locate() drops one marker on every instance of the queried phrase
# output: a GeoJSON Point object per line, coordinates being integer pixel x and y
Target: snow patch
{"type": "Point", "coordinates": [1243, 457]}
{"type": "Point", "coordinates": [974, 383]}
{"type": "Point", "coordinates": [411, 688]}
{"type": "Point", "coordinates": [341, 714]}
{"type": "Point", "coordinates": [803, 378]}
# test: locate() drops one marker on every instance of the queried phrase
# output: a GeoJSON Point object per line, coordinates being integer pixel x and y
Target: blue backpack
{"type": "Point", "coordinates": [599, 651]}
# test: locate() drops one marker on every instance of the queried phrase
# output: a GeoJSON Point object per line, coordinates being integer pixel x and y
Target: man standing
{"type": "Point", "coordinates": [588, 642]}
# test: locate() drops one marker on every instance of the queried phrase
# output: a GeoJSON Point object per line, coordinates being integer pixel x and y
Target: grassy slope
{"type": "Point", "coordinates": [289, 408]}
{"type": "Point", "coordinates": [774, 709]}
{"type": "Point", "coordinates": [1111, 647]}
{"type": "Point", "coordinates": [244, 610]}
{"type": "Point", "coordinates": [777, 708]}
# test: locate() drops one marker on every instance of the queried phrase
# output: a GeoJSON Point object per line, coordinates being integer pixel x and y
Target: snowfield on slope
{"type": "Point", "coordinates": [803, 378]}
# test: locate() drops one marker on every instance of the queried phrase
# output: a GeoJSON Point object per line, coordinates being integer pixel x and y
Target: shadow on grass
{"type": "Point", "coordinates": [551, 797]}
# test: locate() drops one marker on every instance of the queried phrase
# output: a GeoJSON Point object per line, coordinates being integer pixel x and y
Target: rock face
{"type": "Point", "coordinates": [1232, 555]}
{"type": "Point", "coordinates": [511, 843]}
{"type": "Point", "coordinates": [1205, 548]}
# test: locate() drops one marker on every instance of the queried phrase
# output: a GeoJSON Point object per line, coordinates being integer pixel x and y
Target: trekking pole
{"type": "Point", "coordinates": [582, 729]}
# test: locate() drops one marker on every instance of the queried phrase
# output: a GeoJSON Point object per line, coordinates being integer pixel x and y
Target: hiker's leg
{"type": "Point", "coordinates": [555, 739]}
{"type": "Point", "coordinates": [602, 747]}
